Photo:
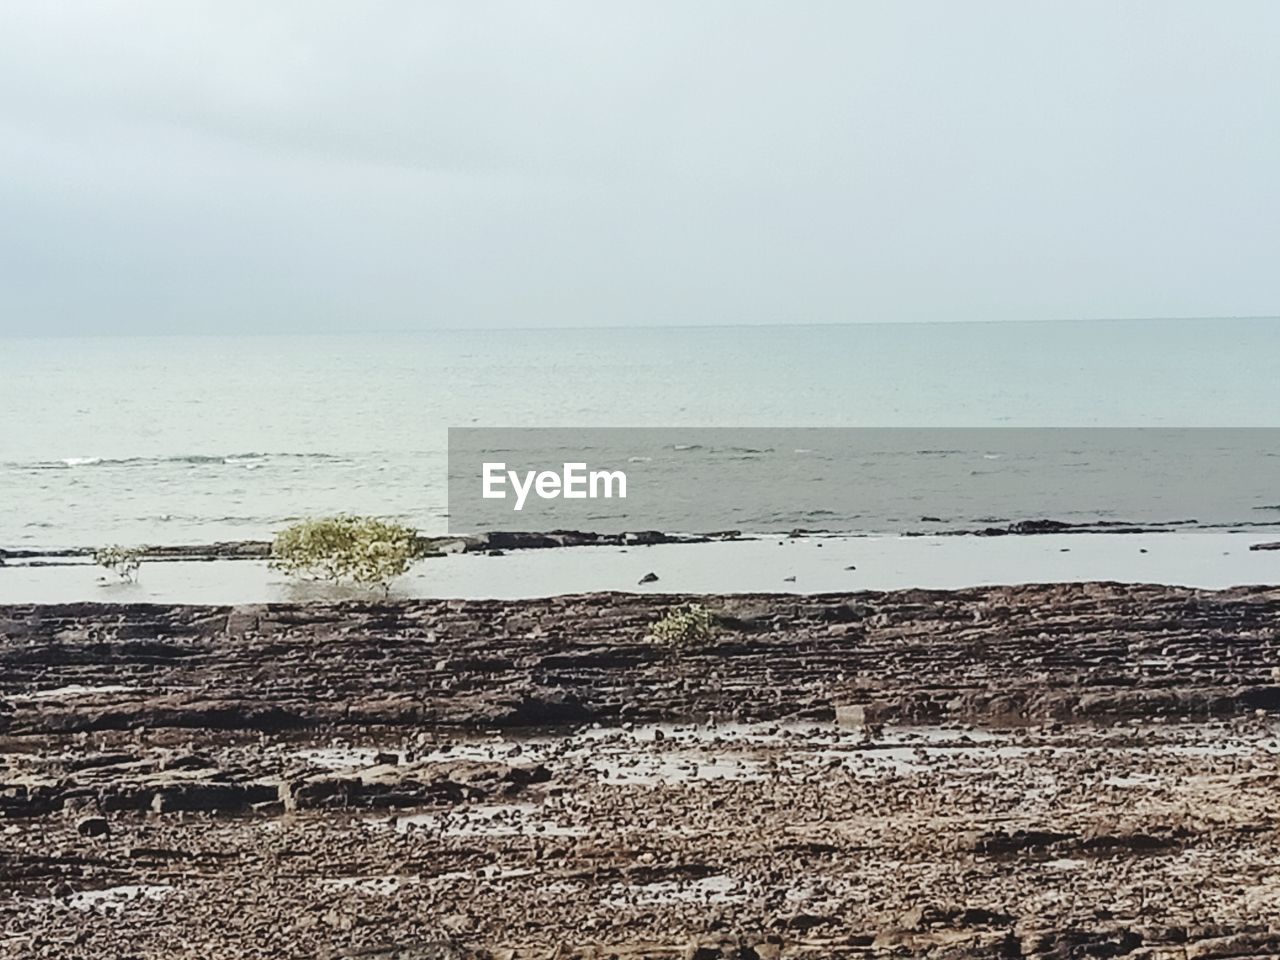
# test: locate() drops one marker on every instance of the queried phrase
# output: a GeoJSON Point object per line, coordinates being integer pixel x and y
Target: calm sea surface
{"type": "Point", "coordinates": [195, 439]}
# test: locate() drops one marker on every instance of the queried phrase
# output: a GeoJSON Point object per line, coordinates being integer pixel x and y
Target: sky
{"type": "Point", "coordinates": [306, 165]}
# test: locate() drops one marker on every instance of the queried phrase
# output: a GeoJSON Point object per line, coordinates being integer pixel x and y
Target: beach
{"type": "Point", "coordinates": [1013, 771]}
{"type": "Point", "coordinates": [651, 481]}
{"type": "Point", "coordinates": [957, 693]}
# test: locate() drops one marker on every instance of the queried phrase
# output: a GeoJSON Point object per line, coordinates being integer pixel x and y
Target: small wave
{"type": "Point", "coordinates": [229, 459]}
{"type": "Point", "coordinates": [196, 518]}
{"type": "Point", "coordinates": [194, 458]}
{"type": "Point", "coordinates": [639, 459]}
{"type": "Point", "coordinates": [682, 447]}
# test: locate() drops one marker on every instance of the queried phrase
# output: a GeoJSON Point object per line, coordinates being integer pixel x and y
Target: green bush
{"type": "Point", "coordinates": [124, 562]}
{"type": "Point", "coordinates": [688, 626]}
{"type": "Point", "coordinates": [364, 550]}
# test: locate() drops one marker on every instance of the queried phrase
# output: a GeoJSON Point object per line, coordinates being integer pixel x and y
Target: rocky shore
{"type": "Point", "coordinates": [1066, 770]}
{"type": "Point", "coordinates": [430, 546]}
{"type": "Point", "coordinates": [502, 541]}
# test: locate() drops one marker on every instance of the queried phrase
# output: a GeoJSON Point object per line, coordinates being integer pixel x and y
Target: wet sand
{"type": "Point", "coordinates": [813, 564]}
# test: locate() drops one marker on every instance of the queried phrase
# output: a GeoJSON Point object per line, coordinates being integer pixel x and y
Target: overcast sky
{"type": "Point", "coordinates": [177, 166]}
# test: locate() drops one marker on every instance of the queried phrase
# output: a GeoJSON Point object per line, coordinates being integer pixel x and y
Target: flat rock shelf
{"type": "Point", "coordinates": [1055, 770]}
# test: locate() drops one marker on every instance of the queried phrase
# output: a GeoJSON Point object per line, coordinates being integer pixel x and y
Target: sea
{"type": "Point", "coordinates": [198, 439]}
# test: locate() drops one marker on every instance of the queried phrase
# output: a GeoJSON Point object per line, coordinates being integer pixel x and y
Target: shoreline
{"type": "Point", "coordinates": [505, 540]}
{"type": "Point", "coordinates": [800, 565]}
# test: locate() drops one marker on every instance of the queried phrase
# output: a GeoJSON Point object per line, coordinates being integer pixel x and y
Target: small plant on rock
{"type": "Point", "coordinates": [691, 625]}
{"type": "Point", "coordinates": [124, 562]}
{"type": "Point", "coordinates": [364, 550]}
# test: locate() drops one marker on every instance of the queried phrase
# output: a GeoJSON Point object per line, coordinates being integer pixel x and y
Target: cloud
{"type": "Point", "coordinates": [317, 165]}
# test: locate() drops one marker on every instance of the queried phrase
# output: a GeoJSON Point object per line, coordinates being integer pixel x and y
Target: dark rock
{"type": "Point", "coordinates": [1000, 842]}
{"type": "Point", "coordinates": [639, 538]}
{"type": "Point", "coordinates": [801, 922]}
{"type": "Point", "coordinates": [93, 826]}
{"type": "Point", "coordinates": [1039, 526]}
{"type": "Point", "coordinates": [526, 775]}
{"type": "Point", "coordinates": [728, 949]}
{"type": "Point", "coordinates": [515, 540]}
{"type": "Point", "coordinates": [210, 796]}
{"type": "Point", "coordinates": [650, 577]}
{"type": "Point", "coordinates": [187, 761]}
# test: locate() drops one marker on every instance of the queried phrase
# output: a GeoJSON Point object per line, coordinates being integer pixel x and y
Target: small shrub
{"type": "Point", "coordinates": [688, 626]}
{"type": "Point", "coordinates": [364, 550]}
{"type": "Point", "coordinates": [124, 562]}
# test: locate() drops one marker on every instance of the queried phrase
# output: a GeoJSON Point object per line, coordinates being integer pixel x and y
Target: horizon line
{"type": "Point", "coordinates": [400, 331]}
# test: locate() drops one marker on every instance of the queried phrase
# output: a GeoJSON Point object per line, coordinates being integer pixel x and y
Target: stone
{"type": "Point", "coordinates": [93, 826]}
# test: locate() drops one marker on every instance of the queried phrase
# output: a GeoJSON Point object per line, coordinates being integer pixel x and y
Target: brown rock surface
{"type": "Point", "coordinates": [1058, 771]}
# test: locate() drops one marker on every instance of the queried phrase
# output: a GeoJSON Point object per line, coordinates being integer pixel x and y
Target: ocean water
{"type": "Point", "coordinates": [196, 439]}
